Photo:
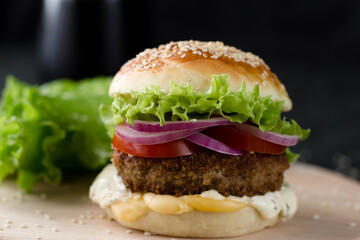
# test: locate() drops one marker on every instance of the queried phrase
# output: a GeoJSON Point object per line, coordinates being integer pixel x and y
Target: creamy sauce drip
{"type": "Point", "coordinates": [108, 188]}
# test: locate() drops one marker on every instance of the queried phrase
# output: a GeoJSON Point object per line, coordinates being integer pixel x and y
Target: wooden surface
{"type": "Point", "coordinates": [329, 208]}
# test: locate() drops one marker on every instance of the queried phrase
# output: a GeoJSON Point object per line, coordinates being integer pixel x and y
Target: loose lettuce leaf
{"type": "Point", "coordinates": [48, 129]}
{"type": "Point", "coordinates": [183, 103]}
{"type": "Point", "coordinates": [291, 157]}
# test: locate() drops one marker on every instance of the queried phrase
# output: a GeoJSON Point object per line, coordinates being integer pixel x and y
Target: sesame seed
{"type": "Point", "coordinates": [7, 226]}
{"type": "Point", "coordinates": [316, 216]}
{"type": "Point", "coordinates": [128, 231]}
{"type": "Point", "coordinates": [7, 221]}
{"type": "Point", "coordinates": [81, 222]}
{"type": "Point", "coordinates": [216, 49]}
{"type": "Point", "coordinates": [74, 221]}
{"type": "Point", "coordinates": [38, 225]}
{"type": "Point", "coordinates": [183, 55]}
{"type": "Point", "coordinates": [352, 224]}
{"type": "Point", "coordinates": [147, 233]}
{"type": "Point", "coordinates": [23, 226]}
{"type": "Point", "coordinates": [357, 206]}
{"type": "Point", "coordinates": [37, 237]}
{"type": "Point", "coordinates": [1, 229]}
{"type": "Point", "coordinates": [90, 217]}
{"type": "Point", "coordinates": [55, 229]}
{"type": "Point", "coordinates": [47, 216]}
{"type": "Point", "coordinates": [103, 216]}
{"type": "Point", "coordinates": [108, 231]}
{"type": "Point", "coordinates": [82, 216]}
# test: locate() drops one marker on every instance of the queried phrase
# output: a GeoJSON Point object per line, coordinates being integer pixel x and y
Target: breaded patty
{"type": "Point", "coordinates": [246, 175]}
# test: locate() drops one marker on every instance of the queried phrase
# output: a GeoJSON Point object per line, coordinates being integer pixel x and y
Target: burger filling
{"type": "Point", "coordinates": [218, 151]}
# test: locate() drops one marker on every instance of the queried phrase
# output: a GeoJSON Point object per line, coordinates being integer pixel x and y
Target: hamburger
{"type": "Point", "coordinates": [200, 147]}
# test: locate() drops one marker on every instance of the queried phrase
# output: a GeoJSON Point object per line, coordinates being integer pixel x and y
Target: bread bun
{"type": "Point", "coordinates": [194, 62]}
{"type": "Point", "coordinates": [200, 224]}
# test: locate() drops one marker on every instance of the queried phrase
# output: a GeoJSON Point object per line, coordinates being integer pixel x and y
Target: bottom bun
{"type": "Point", "coordinates": [201, 224]}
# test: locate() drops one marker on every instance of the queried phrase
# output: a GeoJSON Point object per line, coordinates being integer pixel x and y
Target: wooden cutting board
{"type": "Point", "coordinates": [329, 208]}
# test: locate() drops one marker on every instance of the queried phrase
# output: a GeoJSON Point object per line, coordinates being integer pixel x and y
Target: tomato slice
{"type": "Point", "coordinates": [164, 150]}
{"type": "Point", "coordinates": [238, 139]}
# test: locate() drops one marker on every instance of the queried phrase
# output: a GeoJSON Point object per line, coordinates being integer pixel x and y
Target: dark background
{"type": "Point", "coordinates": [313, 47]}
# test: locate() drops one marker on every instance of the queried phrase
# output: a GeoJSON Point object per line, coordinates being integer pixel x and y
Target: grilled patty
{"type": "Point", "coordinates": [246, 175]}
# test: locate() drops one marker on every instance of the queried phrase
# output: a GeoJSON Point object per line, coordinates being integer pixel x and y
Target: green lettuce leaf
{"type": "Point", "coordinates": [291, 157]}
{"type": "Point", "coordinates": [48, 129]}
{"type": "Point", "coordinates": [183, 103]}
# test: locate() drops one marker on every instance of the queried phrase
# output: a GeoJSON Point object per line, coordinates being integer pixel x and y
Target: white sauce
{"type": "Point", "coordinates": [283, 202]}
{"type": "Point", "coordinates": [109, 188]}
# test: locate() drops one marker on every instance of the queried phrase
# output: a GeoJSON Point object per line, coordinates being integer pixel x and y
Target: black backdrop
{"type": "Point", "coordinates": [313, 47]}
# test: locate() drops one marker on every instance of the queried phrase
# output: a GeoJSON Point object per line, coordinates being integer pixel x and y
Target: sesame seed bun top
{"type": "Point", "coordinates": [193, 62]}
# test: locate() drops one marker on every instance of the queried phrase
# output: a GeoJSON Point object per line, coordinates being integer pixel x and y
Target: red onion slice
{"type": "Point", "coordinates": [145, 138]}
{"type": "Point", "coordinates": [277, 138]}
{"type": "Point", "coordinates": [213, 144]}
{"type": "Point", "coordinates": [148, 126]}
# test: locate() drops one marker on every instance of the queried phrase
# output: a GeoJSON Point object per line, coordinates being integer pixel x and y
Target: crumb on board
{"type": "Point", "coordinates": [352, 224]}
{"type": "Point", "coordinates": [23, 226]}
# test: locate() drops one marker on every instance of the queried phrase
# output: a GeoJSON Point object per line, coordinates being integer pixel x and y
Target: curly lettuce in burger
{"type": "Point", "coordinates": [200, 147]}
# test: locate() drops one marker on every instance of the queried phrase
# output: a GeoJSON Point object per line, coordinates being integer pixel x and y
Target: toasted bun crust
{"type": "Point", "coordinates": [194, 62]}
{"type": "Point", "coordinates": [201, 224]}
